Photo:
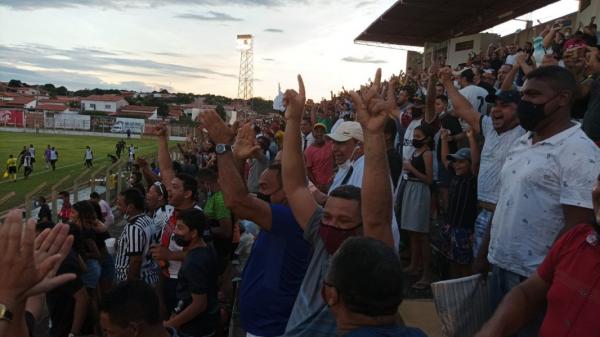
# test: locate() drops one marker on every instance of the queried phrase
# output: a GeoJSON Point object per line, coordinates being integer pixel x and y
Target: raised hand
{"type": "Point", "coordinates": [30, 264]}
{"type": "Point", "coordinates": [294, 101]}
{"type": "Point", "coordinates": [218, 132]}
{"type": "Point", "coordinates": [371, 108]}
{"type": "Point", "coordinates": [245, 143]}
{"type": "Point", "coordinates": [161, 130]}
{"type": "Point", "coordinates": [445, 74]}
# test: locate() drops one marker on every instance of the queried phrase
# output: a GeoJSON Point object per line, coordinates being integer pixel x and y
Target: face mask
{"type": "Point", "coordinates": [456, 84]}
{"type": "Point", "coordinates": [333, 237]}
{"type": "Point", "coordinates": [531, 114]}
{"type": "Point", "coordinates": [264, 197]}
{"type": "Point", "coordinates": [180, 241]}
{"type": "Point", "coordinates": [346, 165]}
{"type": "Point", "coordinates": [418, 143]}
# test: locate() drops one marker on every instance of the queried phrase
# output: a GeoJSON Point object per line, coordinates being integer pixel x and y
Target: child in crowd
{"type": "Point", "coordinates": [463, 165]}
{"type": "Point", "coordinates": [196, 313]}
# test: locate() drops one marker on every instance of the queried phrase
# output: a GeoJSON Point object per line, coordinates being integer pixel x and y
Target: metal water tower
{"type": "Point", "coordinates": [246, 77]}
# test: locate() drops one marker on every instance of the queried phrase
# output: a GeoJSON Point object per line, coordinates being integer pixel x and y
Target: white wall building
{"type": "Point", "coordinates": [104, 103]}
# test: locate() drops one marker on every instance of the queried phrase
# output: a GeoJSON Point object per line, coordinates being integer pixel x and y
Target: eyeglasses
{"type": "Point", "coordinates": [160, 187]}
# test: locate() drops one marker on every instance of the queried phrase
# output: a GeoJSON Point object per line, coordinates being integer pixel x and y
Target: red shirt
{"type": "Point", "coordinates": [319, 161]}
{"type": "Point", "coordinates": [572, 268]}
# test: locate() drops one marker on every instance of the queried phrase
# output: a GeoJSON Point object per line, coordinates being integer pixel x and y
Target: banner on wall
{"type": "Point", "coordinates": [135, 125]}
{"type": "Point", "coordinates": [68, 122]}
{"type": "Point", "coordinates": [11, 118]}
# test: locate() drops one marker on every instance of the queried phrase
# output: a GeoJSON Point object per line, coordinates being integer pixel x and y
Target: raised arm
{"type": "Point", "coordinates": [164, 158]}
{"type": "Point", "coordinates": [444, 134]}
{"type": "Point", "coordinates": [237, 199]}
{"type": "Point", "coordinates": [376, 191]}
{"type": "Point", "coordinates": [462, 107]}
{"type": "Point", "coordinates": [299, 197]}
{"type": "Point", "coordinates": [430, 103]}
{"type": "Point", "coordinates": [475, 155]}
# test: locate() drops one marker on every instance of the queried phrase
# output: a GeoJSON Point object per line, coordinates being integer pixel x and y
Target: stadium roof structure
{"type": "Point", "coordinates": [414, 22]}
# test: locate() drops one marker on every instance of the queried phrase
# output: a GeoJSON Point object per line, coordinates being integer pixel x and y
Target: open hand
{"type": "Point", "coordinates": [30, 264]}
{"type": "Point", "coordinates": [245, 143]}
{"type": "Point", "coordinates": [294, 101]}
{"type": "Point", "coordinates": [218, 132]}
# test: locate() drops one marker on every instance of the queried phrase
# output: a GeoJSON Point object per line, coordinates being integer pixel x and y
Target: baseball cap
{"type": "Point", "coordinates": [346, 131]}
{"type": "Point", "coordinates": [508, 96]}
{"type": "Point", "coordinates": [461, 154]}
{"type": "Point", "coordinates": [320, 125]}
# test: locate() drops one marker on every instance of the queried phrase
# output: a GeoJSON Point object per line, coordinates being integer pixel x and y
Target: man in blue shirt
{"type": "Point", "coordinates": [278, 262]}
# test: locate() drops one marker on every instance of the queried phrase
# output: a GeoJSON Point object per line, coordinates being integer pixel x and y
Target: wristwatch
{"type": "Point", "coordinates": [222, 148]}
{"type": "Point", "coordinates": [5, 314]}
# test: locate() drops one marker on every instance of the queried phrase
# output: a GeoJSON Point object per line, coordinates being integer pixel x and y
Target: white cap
{"type": "Point", "coordinates": [346, 131]}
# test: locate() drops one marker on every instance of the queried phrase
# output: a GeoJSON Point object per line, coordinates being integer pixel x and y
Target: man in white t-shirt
{"type": "Point", "coordinates": [546, 181]}
{"type": "Point", "coordinates": [473, 93]}
{"type": "Point", "coordinates": [499, 131]}
{"type": "Point", "coordinates": [89, 156]}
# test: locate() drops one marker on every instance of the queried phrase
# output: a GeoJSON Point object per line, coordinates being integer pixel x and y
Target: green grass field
{"type": "Point", "coordinates": [71, 151]}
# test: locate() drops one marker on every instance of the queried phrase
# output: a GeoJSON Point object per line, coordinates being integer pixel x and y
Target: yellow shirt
{"type": "Point", "coordinates": [11, 162]}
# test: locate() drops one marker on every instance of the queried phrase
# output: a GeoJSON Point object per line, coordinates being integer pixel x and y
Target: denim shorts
{"type": "Point", "coordinates": [91, 277]}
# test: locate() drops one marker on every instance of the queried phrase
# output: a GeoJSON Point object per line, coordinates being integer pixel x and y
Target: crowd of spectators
{"type": "Point", "coordinates": [310, 222]}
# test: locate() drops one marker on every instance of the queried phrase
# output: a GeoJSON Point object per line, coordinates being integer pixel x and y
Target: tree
{"type": "Point", "coordinates": [14, 83]}
{"type": "Point", "coordinates": [61, 91]}
{"type": "Point", "coordinates": [221, 111]}
{"type": "Point", "coordinates": [163, 110]}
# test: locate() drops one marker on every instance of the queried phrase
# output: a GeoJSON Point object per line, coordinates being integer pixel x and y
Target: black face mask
{"type": "Point", "coordinates": [418, 143]}
{"type": "Point", "coordinates": [264, 197]}
{"type": "Point", "coordinates": [531, 114]}
{"type": "Point", "coordinates": [180, 241]}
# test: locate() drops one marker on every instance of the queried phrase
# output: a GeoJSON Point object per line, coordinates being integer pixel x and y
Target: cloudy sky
{"type": "Point", "coordinates": [189, 45]}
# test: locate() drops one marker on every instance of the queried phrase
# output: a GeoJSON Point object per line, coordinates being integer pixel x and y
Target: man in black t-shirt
{"type": "Point", "coordinates": [197, 280]}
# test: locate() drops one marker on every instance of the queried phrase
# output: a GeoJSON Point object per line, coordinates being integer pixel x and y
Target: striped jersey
{"type": "Point", "coordinates": [135, 240]}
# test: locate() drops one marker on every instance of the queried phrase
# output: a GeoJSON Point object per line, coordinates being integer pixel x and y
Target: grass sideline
{"type": "Point", "coordinates": [71, 151]}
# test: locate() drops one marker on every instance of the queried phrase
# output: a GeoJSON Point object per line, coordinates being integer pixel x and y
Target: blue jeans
{"type": "Point", "coordinates": [502, 283]}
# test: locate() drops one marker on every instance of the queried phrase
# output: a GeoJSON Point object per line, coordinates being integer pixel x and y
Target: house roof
{"type": "Point", "coordinates": [103, 98]}
{"type": "Point", "coordinates": [414, 22]}
{"type": "Point", "coordinates": [20, 100]}
{"type": "Point", "coordinates": [51, 107]}
{"type": "Point", "coordinates": [139, 108]}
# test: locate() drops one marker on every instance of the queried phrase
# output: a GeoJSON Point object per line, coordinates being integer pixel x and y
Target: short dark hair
{"type": "Point", "coordinates": [348, 192]}
{"type": "Point", "coordinates": [442, 98]}
{"type": "Point", "coordinates": [94, 195]}
{"type": "Point", "coordinates": [207, 174]}
{"type": "Point", "coordinates": [131, 301]}
{"type": "Point", "coordinates": [468, 74]}
{"type": "Point", "coordinates": [133, 197]}
{"type": "Point", "coordinates": [368, 276]}
{"type": "Point", "coordinates": [560, 79]}
{"type": "Point", "coordinates": [277, 167]}
{"type": "Point", "coordinates": [42, 199]}
{"type": "Point", "coordinates": [63, 194]}
{"type": "Point", "coordinates": [194, 219]}
{"type": "Point", "coordinates": [189, 184]}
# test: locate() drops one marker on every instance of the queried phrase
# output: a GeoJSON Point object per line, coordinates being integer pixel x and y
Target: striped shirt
{"type": "Point", "coordinates": [160, 218]}
{"type": "Point", "coordinates": [135, 240]}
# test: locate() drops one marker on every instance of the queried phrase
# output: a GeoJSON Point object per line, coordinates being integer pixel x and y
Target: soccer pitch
{"type": "Point", "coordinates": [71, 151]}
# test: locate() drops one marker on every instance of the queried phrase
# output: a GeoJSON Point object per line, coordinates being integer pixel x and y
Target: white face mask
{"type": "Point", "coordinates": [456, 84]}
{"type": "Point", "coordinates": [346, 165]}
